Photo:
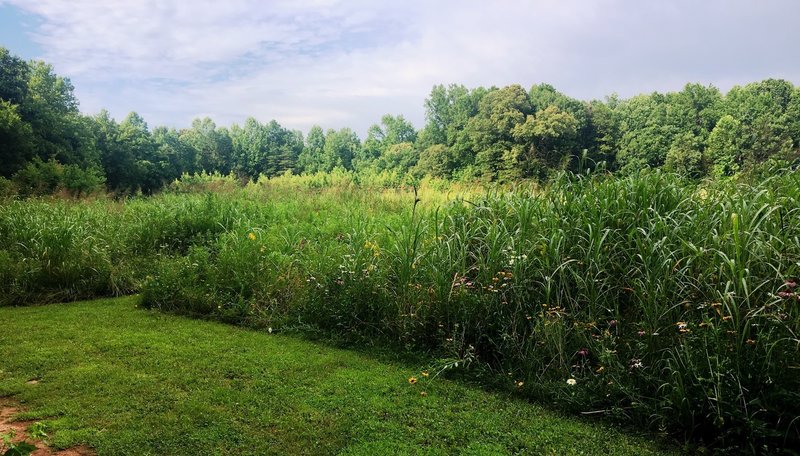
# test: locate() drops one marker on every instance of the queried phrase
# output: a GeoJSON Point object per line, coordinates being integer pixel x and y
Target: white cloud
{"type": "Point", "coordinates": [345, 63]}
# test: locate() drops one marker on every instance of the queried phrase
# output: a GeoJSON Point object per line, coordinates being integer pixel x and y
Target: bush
{"type": "Point", "coordinates": [81, 182]}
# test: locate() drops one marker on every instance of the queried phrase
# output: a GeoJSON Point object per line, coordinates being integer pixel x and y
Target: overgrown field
{"type": "Point", "coordinates": [646, 299]}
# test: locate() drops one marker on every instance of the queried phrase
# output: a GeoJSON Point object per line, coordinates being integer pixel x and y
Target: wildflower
{"type": "Point", "coordinates": [750, 342]}
{"type": "Point", "coordinates": [600, 370]}
{"type": "Point", "coordinates": [641, 333]}
{"type": "Point", "coordinates": [636, 363]}
{"type": "Point", "coordinates": [727, 318]}
{"type": "Point", "coordinates": [583, 352]}
{"type": "Point", "coordinates": [425, 374]}
{"type": "Point", "coordinates": [252, 236]}
{"type": "Point", "coordinates": [682, 327]}
{"type": "Point", "coordinates": [519, 384]}
{"type": "Point", "coordinates": [423, 394]}
{"type": "Point", "coordinates": [412, 380]}
{"type": "Point", "coordinates": [572, 382]}
{"type": "Point", "coordinates": [790, 284]}
{"type": "Point", "coordinates": [612, 323]}
{"type": "Point", "coordinates": [269, 330]}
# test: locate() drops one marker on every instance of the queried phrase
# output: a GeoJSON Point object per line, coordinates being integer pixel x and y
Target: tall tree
{"type": "Point", "coordinates": [491, 131]}
{"type": "Point", "coordinates": [14, 74]}
{"type": "Point", "coordinates": [213, 147]}
{"type": "Point", "coordinates": [16, 139]}
{"type": "Point", "coordinates": [311, 159]}
{"type": "Point", "coordinates": [340, 148]}
{"type": "Point", "coordinates": [724, 151]}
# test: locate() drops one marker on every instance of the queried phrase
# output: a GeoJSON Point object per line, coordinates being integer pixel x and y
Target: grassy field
{"type": "Point", "coordinates": [655, 301]}
{"type": "Point", "coordinates": [130, 381]}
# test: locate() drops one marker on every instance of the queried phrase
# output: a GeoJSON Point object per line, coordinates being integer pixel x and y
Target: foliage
{"type": "Point", "coordinates": [671, 305]}
{"type": "Point", "coordinates": [494, 134]}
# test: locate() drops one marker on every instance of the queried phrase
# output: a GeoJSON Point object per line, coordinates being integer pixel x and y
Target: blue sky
{"type": "Point", "coordinates": [345, 63]}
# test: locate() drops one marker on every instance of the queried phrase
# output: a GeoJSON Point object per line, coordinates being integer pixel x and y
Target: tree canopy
{"type": "Point", "coordinates": [496, 134]}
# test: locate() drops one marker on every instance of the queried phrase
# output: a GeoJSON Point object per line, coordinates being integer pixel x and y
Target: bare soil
{"type": "Point", "coordinates": [8, 410]}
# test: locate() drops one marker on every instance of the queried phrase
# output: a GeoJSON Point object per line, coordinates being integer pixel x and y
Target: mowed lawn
{"type": "Point", "coordinates": [129, 381]}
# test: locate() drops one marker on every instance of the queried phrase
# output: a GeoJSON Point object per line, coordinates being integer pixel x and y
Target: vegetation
{"type": "Point", "coordinates": [633, 259]}
{"type": "Point", "coordinates": [131, 382]}
{"type": "Point", "coordinates": [490, 134]}
{"type": "Point", "coordinates": [646, 299]}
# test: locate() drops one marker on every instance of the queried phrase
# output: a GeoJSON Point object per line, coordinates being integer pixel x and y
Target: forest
{"type": "Point", "coordinates": [481, 134]}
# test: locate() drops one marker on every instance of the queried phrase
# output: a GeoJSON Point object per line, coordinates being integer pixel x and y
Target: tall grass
{"type": "Point", "coordinates": [648, 299]}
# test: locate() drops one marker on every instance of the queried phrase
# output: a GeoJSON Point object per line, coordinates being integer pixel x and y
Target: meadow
{"type": "Point", "coordinates": [648, 300]}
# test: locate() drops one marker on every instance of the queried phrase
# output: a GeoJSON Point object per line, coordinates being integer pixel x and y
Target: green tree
{"type": "Point", "coordinates": [380, 138]}
{"type": "Point", "coordinates": [646, 136]}
{"type": "Point", "coordinates": [685, 156]}
{"type": "Point", "coordinates": [399, 157]}
{"type": "Point", "coordinates": [438, 161]}
{"type": "Point", "coordinates": [543, 96]}
{"type": "Point", "coordinates": [148, 168]}
{"type": "Point", "coordinates": [312, 159]}
{"type": "Point", "coordinates": [605, 127]}
{"type": "Point", "coordinates": [14, 74]}
{"type": "Point", "coordinates": [491, 131]}
{"type": "Point", "coordinates": [724, 150]}
{"type": "Point", "coordinates": [546, 141]}
{"type": "Point", "coordinates": [340, 148]}
{"type": "Point", "coordinates": [16, 139]}
{"type": "Point", "coordinates": [448, 110]}
{"type": "Point", "coordinates": [265, 149]}
{"type": "Point", "coordinates": [180, 157]}
{"type": "Point", "coordinates": [50, 107]}
{"type": "Point", "coordinates": [118, 162]}
{"type": "Point", "coordinates": [761, 108]}
{"type": "Point", "coordinates": [212, 147]}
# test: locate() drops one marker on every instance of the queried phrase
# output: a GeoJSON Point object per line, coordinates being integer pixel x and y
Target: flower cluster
{"type": "Point", "coordinates": [790, 291]}
{"type": "Point", "coordinates": [369, 245]}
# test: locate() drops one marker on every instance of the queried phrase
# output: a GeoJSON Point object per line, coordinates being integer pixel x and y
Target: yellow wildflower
{"type": "Point", "coordinates": [572, 382]}
{"type": "Point", "coordinates": [412, 380]}
{"type": "Point", "coordinates": [252, 236]}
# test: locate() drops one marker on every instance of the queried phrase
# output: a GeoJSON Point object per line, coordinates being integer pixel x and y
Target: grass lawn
{"type": "Point", "coordinates": [129, 381]}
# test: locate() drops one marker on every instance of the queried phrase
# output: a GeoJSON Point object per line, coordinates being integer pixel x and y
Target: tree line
{"type": "Point", "coordinates": [494, 134]}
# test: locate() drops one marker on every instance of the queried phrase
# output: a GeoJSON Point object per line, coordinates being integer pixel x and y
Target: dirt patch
{"type": "Point", "coordinates": [8, 410]}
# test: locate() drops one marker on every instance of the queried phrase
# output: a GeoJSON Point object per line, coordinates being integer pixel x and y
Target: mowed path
{"type": "Point", "coordinates": [128, 381]}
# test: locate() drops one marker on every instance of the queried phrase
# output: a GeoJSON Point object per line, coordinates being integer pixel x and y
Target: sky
{"type": "Point", "coordinates": [340, 63]}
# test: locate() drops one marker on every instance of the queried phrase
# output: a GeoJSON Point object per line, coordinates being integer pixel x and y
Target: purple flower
{"type": "Point", "coordinates": [583, 352]}
{"type": "Point", "coordinates": [612, 323]}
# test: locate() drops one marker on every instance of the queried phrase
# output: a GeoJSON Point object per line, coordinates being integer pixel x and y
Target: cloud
{"type": "Point", "coordinates": [345, 63]}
